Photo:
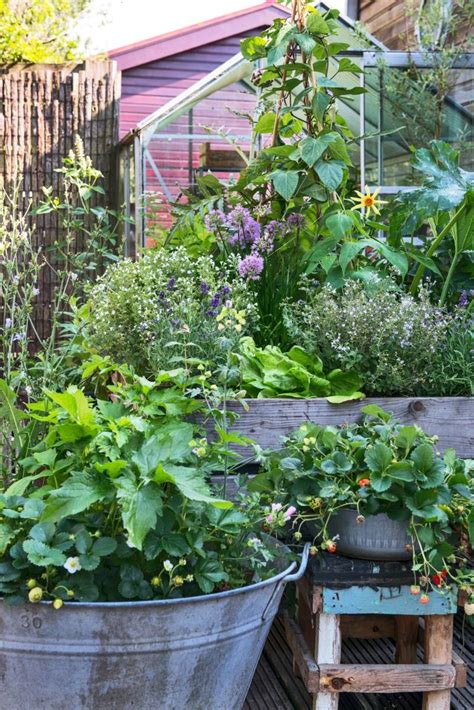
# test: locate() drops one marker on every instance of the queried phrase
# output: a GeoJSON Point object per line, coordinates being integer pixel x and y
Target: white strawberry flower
{"type": "Point", "coordinates": [72, 565]}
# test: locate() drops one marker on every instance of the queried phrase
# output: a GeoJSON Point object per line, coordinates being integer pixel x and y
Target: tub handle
{"type": "Point", "coordinates": [302, 568]}
{"type": "Point", "coordinates": [289, 578]}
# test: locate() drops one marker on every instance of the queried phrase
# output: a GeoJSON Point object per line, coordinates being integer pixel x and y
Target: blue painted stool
{"type": "Point", "coordinates": [341, 597]}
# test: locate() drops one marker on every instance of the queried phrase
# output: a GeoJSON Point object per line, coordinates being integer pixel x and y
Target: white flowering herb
{"type": "Point", "coordinates": [166, 307]}
{"type": "Point", "coordinates": [398, 345]}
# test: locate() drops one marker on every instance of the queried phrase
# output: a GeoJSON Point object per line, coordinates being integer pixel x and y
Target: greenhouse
{"type": "Point", "coordinates": [208, 128]}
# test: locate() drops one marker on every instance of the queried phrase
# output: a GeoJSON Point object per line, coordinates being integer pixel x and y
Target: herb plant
{"type": "Point", "coordinates": [168, 308]}
{"type": "Point", "coordinates": [32, 357]}
{"type": "Point", "coordinates": [398, 345]}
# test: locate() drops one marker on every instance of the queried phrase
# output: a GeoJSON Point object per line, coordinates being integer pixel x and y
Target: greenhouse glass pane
{"type": "Point", "coordinates": [405, 104]}
{"type": "Point", "coordinates": [196, 142]}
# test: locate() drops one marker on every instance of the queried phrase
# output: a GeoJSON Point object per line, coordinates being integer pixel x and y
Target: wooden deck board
{"type": "Point", "coordinates": [276, 688]}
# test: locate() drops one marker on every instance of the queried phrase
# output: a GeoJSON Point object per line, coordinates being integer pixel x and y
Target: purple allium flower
{"type": "Point", "coordinates": [215, 300]}
{"type": "Point", "coordinates": [272, 231]}
{"type": "Point", "coordinates": [245, 229]}
{"type": "Point", "coordinates": [295, 220]}
{"type": "Point", "coordinates": [251, 266]}
{"type": "Point", "coordinates": [226, 290]}
{"type": "Point", "coordinates": [464, 297]}
{"type": "Point", "coordinates": [275, 228]}
{"type": "Point", "coordinates": [19, 336]}
{"type": "Point", "coordinates": [215, 219]}
{"type": "Point", "coordinates": [204, 288]}
{"type": "Point", "coordinates": [171, 283]}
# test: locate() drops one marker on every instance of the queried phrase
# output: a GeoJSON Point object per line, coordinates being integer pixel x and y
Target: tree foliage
{"type": "Point", "coordinates": [39, 31]}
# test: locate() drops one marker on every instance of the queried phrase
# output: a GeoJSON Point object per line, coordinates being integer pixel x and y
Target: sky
{"type": "Point", "coordinates": [113, 23]}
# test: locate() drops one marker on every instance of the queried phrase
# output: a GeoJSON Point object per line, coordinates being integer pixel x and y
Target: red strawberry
{"type": "Point", "coordinates": [438, 578]}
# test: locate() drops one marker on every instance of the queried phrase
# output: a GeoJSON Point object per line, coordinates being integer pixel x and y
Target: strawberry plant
{"type": "Point", "coordinates": [115, 501]}
{"type": "Point", "coordinates": [379, 466]}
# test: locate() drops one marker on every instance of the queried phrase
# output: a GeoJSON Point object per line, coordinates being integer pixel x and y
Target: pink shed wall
{"type": "Point", "coordinates": [148, 86]}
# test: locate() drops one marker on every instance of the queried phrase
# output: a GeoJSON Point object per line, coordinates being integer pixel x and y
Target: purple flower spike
{"type": "Point", "coordinates": [251, 266]}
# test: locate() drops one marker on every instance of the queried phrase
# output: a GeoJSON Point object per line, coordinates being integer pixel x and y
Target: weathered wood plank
{"type": "Point", "coordinates": [302, 657]}
{"type": "Point", "coordinates": [407, 638]}
{"type": "Point", "coordinates": [438, 649]}
{"type": "Point", "coordinates": [460, 669]}
{"type": "Point", "coordinates": [220, 159]}
{"type": "Point", "coordinates": [460, 665]}
{"type": "Point", "coordinates": [268, 420]}
{"type": "Point", "coordinates": [386, 678]}
{"type": "Point", "coordinates": [369, 626]}
{"type": "Point", "coordinates": [328, 645]}
{"type": "Point", "coordinates": [386, 600]}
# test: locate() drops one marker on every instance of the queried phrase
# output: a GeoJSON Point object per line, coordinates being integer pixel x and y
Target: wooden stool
{"type": "Point", "coordinates": [340, 597]}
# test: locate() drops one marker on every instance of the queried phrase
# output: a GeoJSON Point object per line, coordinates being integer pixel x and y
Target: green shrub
{"type": "Point", "coordinates": [167, 307]}
{"type": "Point", "coordinates": [398, 345]}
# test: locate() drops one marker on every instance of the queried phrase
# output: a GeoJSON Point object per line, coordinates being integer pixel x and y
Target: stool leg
{"type": "Point", "coordinates": [438, 649]}
{"type": "Point", "coordinates": [407, 638]}
{"type": "Point", "coordinates": [327, 650]}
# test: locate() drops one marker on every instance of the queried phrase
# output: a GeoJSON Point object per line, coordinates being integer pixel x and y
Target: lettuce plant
{"type": "Point", "coordinates": [269, 372]}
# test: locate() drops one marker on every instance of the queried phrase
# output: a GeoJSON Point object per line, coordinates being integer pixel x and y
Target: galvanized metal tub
{"type": "Point", "coordinates": [198, 653]}
{"type": "Point", "coordinates": [377, 538]}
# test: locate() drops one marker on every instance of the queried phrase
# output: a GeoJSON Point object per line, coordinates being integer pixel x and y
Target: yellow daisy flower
{"type": "Point", "coordinates": [368, 201]}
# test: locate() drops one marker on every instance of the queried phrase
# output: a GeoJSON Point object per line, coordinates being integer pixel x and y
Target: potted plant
{"type": "Point", "coordinates": [377, 490]}
{"type": "Point", "coordinates": [122, 574]}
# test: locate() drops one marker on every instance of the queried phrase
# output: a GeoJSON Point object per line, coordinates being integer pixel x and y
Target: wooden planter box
{"type": "Point", "coordinates": [450, 418]}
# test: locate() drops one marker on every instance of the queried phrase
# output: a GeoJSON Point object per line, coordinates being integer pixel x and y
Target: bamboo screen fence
{"type": "Point", "coordinates": [42, 108]}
